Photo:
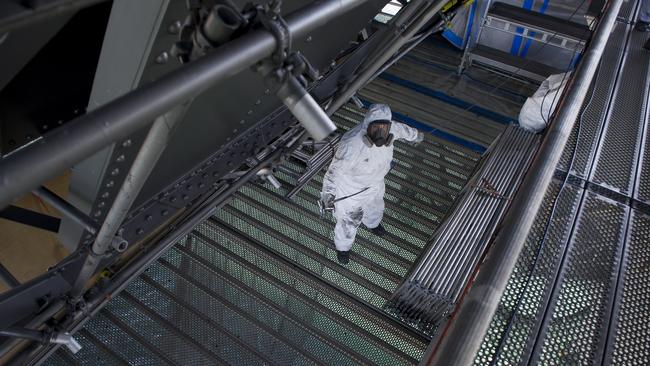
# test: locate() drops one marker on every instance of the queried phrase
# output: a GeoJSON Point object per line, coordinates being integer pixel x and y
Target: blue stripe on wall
{"type": "Point", "coordinates": [453, 38]}
{"type": "Point", "coordinates": [516, 42]}
{"type": "Point", "coordinates": [470, 23]}
{"type": "Point", "coordinates": [542, 10]}
{"type": "Point", "coordinates": [499, 118]}
{"type": "Point", "coordinates": [456, 40]}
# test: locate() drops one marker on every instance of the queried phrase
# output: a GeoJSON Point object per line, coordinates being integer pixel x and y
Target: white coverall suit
{"type": "Point", "coordinates": [356, 166]}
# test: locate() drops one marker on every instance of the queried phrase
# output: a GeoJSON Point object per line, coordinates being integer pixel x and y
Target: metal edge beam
{"type": "Point", "coordinates": [462, 339]}
{"type": "Point", "coordinates": [323, 89]}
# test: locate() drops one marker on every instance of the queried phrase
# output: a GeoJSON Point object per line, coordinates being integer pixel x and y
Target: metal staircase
{"type": "Point", "coordinates": [259, 282]}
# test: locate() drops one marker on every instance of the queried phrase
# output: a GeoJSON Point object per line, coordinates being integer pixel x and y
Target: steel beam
{"type": "Point", "coordinates": [26, 169]}
{"type": "Point", "coordinates": [100, 298]}
{"type": "Point", "coordinates": [414, 43]}
{"type": "Point", "coordinates": [462, 341]}
{"type": "Point", "coordinates": [125, 55]}
{"type": "Point", "coordinates": [396, 26]}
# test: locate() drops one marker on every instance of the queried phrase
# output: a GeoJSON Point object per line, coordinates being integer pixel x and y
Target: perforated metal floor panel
{"type": "Point", "coordinates": [629, 332]}
{"type": "Point", "coordinates": [579, 293]}
{"type": "Point", "coordinates": [515, 324]}
{"type": "Point", "coordinates": [589, 126]}
{"type": "Point", "coordinates": [617, 157]}
{"type": "Point", "coordinates": [575, 325]}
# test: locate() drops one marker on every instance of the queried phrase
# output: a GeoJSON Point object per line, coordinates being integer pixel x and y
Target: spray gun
{"type": "Point", "coordinates": [330, 207]}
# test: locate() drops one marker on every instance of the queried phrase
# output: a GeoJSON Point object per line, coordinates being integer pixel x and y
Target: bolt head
{"type": "Point", "coordinates": [163, 58]}
{"type": "Point", "coordinates": [175, 27]}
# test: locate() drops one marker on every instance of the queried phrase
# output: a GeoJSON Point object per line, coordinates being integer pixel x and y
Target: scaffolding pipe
{"type": "Point", "coordinates": [396, 26]}
{"type": "Point", "coordinates": [25, 333]}
{"type": "Point", "coordinates": [154, 145]}
{"type": "Point", "coordinates": [7, 346]}
{"type": "Point", "coordinates": [67, 209]}
{"type": "Point", "coordinates": [26, 169]}
{"type": "Point", "coordinates": [461, 342]}
{"type": "Point", "coordinates": [382, 58]}
{"type": "Point", "coordinates": [414, 43]}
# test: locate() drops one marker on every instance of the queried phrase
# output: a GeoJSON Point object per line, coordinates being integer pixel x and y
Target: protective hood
{"type": "Point", "coordinates": [377, 112]}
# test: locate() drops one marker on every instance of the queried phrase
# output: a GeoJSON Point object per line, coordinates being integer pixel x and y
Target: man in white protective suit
{"type": "Point", "coordinates": [354, 183]}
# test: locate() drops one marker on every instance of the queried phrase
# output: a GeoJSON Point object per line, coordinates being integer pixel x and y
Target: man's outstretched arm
{"type": "Point", "coordinates": [407, 133]}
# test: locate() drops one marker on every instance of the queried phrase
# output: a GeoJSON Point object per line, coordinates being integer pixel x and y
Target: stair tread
{"type": "Point", "coordinates": [540, 21]}
{"type": "Point", "coordinates": [222, 242]}
{"type": "Point", "coordinates": [515, 63]}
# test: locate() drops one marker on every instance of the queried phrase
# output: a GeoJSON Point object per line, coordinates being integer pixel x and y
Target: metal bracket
{"type": "Point", "coordinates": [290, 72]}
{"type": "Point", "coordinates": [43, 336]}
{"type": "Point", "coordinates": [269, 17]}
{"type": "Point", "coordinates": [283, 63]}
{"type": "Point", "coordinates": [488, 188]}
{"type": "Point", "coordinates": [205, 29]}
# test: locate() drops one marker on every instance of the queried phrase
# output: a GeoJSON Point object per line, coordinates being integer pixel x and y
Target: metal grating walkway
{"type": "Point", "coordinates": [579, 294]}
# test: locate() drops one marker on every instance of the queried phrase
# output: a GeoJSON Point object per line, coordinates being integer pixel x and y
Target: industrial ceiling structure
{"type": "Point", "coordinates": [161, 163]}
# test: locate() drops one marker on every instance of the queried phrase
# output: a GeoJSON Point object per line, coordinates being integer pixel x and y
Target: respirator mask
{"type": "Point", "coordinates": [378, 134]}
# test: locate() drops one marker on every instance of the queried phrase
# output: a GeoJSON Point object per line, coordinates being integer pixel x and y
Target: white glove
{"type": "Point", "coordinates": [418, 139]}
{"type": "Point", "coordinates": [327, 201]}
